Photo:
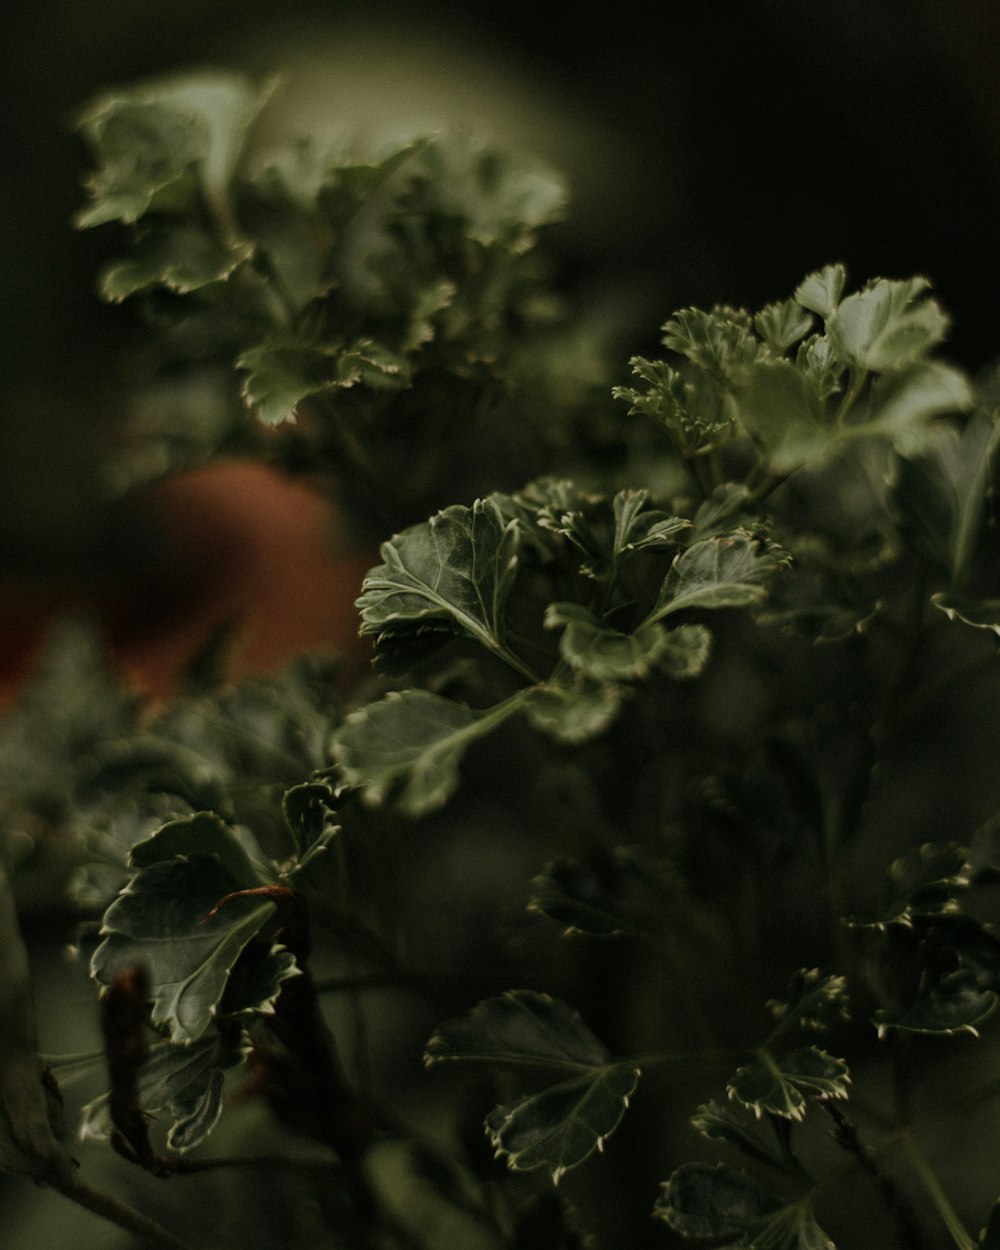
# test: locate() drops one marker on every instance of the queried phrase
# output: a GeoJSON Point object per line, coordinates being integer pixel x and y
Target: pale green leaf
{"type": "Point", "coordinates": [604, 654]}
{"type": "Point", "coordinates": [409, 745]}
{"type": "Point", "coordinates": [563, 1125]}
{"type": "Point", "coordinates": [885, 327]}
{"type": "Point", "coordinates": [902, 404]}
{"type": "Point", "coordinates": [780, 406]}
{"type": "Point", "coordinates": [454, 572]}
{"type": "Point", "coordinates": [719, 342]}
{"type": "Point", "coordinates": [520, 1027]}
{"type": "Point", "coordinates": [279, 377]}
{"type": "Point", "coordinates": [572, 713]}
{"type": "Point", "coordinates": [161, 921]}
{"type": "Point", "coordinates": [781, 325]}
{"type": "Point", "coordinates": [820, 292]}
{"type": "Point", "coordinates": [182, 257]}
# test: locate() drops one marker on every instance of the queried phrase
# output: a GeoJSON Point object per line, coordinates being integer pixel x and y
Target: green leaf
{"type": "Point", "coordinates": [149, 138]}
{"type": "Point", "coordinates": [884, 327]}
{"type": "Point", "coordinates": [726, 572]}
{"type": "Point", "coordinates": [780, 406]}
{"type": "Point", "coordinates": [955, 1005]}
{"type": "Point", "coordinates": [280, 377]}
{"type": "Point", "coordinates": [161, 921]}
{"type": "Point", "coordinates": [204, 834]}
{"type": "Point", "coordinates": [706, 1201]}
{"type": "Point", "coordinates": [184, 1081]}
{"type": "Point", "coordinates": [453, 572]}
{"type": "Point", "coordinates": [719, 342]}
{"type": "Point", "coordinates": [719, 1122]}
{"type": "Point", "coordinates": [410, 745]}
{"type": "Point", "coordinates": [310, 816]}
{"type": "Point", "coordinates": [820, 292]}
{"type": "Point", "coordinates": [729, 1207]}
{"type": "Point", "coordinates": [776, 1086]}
{"type": "Point", "coordinates": [924, 884]}
{"type": "Point", "coordinates": [520, 1027]}
{"type": "Point", "coordinates": [563, 1125]}
{"type": "Point", "coordinates": [641, 528]}
{"type": "Point", "coordinates": [815, 1000]}
{"type": "Point", "coordinates": [181, 257]}
{"type": "Point", "coordinates": [781, 325]}
{"type": "Point", "coordinates": [572, 713]}
{"type": "Point", "coordinates": [604, 654]}
{"type": "Point", "coordinates": [903, 403]}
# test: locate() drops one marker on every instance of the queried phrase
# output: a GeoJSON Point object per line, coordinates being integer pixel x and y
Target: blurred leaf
{"type": "Point", "coordinates": [720, 1122]}
{"type": "Point", "coordinates": [820, 292]}
{"type": "Point", "coordinates": [625, 897]}
{"type": "Point", "coordinates": [562, 1126]}
{"type": "Point", "coordinates": [884, 327]}
{"type": "Point", "coordinates": [161, 921]}
{"type": "Point", "coordinates": [979, 613]}
{"type": "Point", "coordinates": [781, 407]}
{"type": "Point", "coordinates": [592, 648]}
{"type": "Point", "coordinates": [781, 325]}
{"type": "Point", "coordinates": [572, 713]}
{"type": "Point", "coordinates": [815, 1000]}
{"type": "Point", "coordinates": [279, 377]}
{"type": "Point", "coordinates": [181, 257]}
{"type": "Point", "coordinates": [955, 1005]}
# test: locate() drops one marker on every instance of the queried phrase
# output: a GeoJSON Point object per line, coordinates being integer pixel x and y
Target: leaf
{"type": "Point", "coordinates": [604, 654]}
{"type": "Point", "coordinates": [572, 713]}
{"type": "Point", "coordinates": [563, 1125]}
{"type": "Point", "coordinates": [979, 613]}
{"type": "Point", "coordinates": [641, 528]}
{"type": "Point", "coordinates": [410, 745]}
{"type": "Point", "coordinates": [776, 1086]}
{"type": "Point", "coordinates": [815, 1000]}
{"type": "Point", "coordinates": [726, 572]}
{"type": "Point", "coordinates": [257, 979]}
{"type": "Point", "coordinates": [719, 1122]}
{"type": "Point", "coordinates": [161, 921]}
{"type": "Point", "coordinates": [184, 1081]}
{"type": "Point", "coordinates": [780, 406]}
{"type": "Point", "coordinates": [149, 136]}
{"type": "Point", "coordinates": [924, 884]}
{"type": "Point", "coordinates": [520, 1027]}
{"type": "Point", "coordinates": [781, 325]}
{"type": "Point", "coordinates": [883, 327]}
{"type": "Point", "coordinates": [203, 834]}
{"type": "Point", "coordinates": [714, 1201]}
{"type": "Point", "coordinates": [623, 898]}
{"type": "Point", "coordinates": [719, 342]}
{"type": "Point", "coordinates": [820, 292]}
{"type": "Point", "coordinates": [310, 817]}
{"type": "Point", "coordinates": [955, 1005]}
{"type": "Point", "coordinates": [729, 1207]}
{"type": "Point", "coordinates": [453, 572]}
{"type": "Point", "coordinates": [280, 377]}
{"type": "Point", "coordinates": [182, 257]}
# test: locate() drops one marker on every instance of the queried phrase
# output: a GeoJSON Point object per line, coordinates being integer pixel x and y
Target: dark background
{"type": "Point", "coordinates": [717, 153]}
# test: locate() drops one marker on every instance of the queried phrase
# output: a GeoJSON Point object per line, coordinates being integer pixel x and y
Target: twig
{"type": "Point", "coordinates": [152, 1235]}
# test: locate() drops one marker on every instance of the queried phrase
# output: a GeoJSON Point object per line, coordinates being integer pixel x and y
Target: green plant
{"type": "Point", "coordinates": [727, 729]}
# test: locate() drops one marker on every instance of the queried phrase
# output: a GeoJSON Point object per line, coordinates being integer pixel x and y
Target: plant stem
{"type": "Point", "coordinates": [151, 1234]}
{"type": "Point", "coordinates": [932, 1185]}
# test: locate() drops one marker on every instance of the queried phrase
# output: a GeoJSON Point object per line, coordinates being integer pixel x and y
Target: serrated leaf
{"type": "Point", "coordinates": [579, 900]}
{"type": "Point", "coordinates": [203, 833]}
{"type": "Point", "coordinates": [161, 921]}
{"type": "Point", "coordinates": [781, 325]}
{"type": "Point", "coordinates": [280, 377]}
{"type": "Point", "coordinates": [563, 1125]}
{"type": "Point", "coordinates": [410, 745]}
{"type": "Point", "coordinates": [884, 327]}
{"type": "Point", "coordinates": [726, 572]}
{"type": "Point", "coordinates": [776, 1086]}
{"type": "Point", "coordinates": [955, 1005]}
{"type": "Point", "coordinates": [816, 1000]}
{"type": "Point", "coordinates": [714, 1201]}
{"type": "Point", "coordinates": [820, 292]}
{"type": "Point", "coordinates": [903, 403]}
{"type": "Point", "coordinates": [182, 257]}
{"type": "Point", "coordinates": [184, 1081]}
{"type": "Point", "coordinates": [641, 528]}
{"type": "Point", "coordinates": [924, 884]}
{"type": "Point", "coordinates": [729, 1207]}
{"type": "Point", "coordinates": [310, 816]}
{"type": "Point", "coordinates": [520, 1027]}
{"type": "Point", "coordinates": [256, 980]}
{"type": "Point", "coordinates": [720, 342]}
{"type": "Point", "coordinates": [719, 1122]}
{"type": "Point", "coordinates": [455, 572]}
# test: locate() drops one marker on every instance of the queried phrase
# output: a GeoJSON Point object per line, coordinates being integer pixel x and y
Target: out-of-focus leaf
{"type": "Point", "coordinates": [181, 257]}
{"type": "Point", "coordinates": [625, 898]}
{"type": "Point", "coordinates": [955, 1005]}
{"type": "Point", "coordinates": [563, 1125]}
{"type": "Point", "coordinates": [410, 744]}
{"type": "Point", "coordinates": [574, 712]}
{"type": "Point", "coordinates": [884, 326]}
{"type": "Point", "coordinates": [162, 921]}
{"type": "Point", "coordinates": [924, 884]}
{"type": "Point", "coordinates": [779, 1086]}
{"type": "Point", "coordinates": [592, 648]}
{"type": "Point", "coordinates": [780, 406]}
{"type": "Point", "coordinates": [279, 377]}
{"type": "Point", "coordinates": [721, 1122]}
{"type": "Point", "coordinates": [820, 292]}
{"type": "Point", "coordinates": [979, 613]}
{"type": "Point", "coordinates": [781, 325]}
{"type": "Point", "coordinates": [816, 1000]}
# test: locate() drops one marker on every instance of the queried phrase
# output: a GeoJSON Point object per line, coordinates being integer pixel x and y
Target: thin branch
{"type": "Point", "coordinates": [152, 1235]}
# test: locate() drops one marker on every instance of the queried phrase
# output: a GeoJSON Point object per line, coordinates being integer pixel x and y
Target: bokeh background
{"type": "Point", "coordinates": [715, 153]}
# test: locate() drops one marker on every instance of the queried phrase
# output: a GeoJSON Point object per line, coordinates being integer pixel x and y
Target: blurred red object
{"type": "Point", "coordinates": [244, 548]}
